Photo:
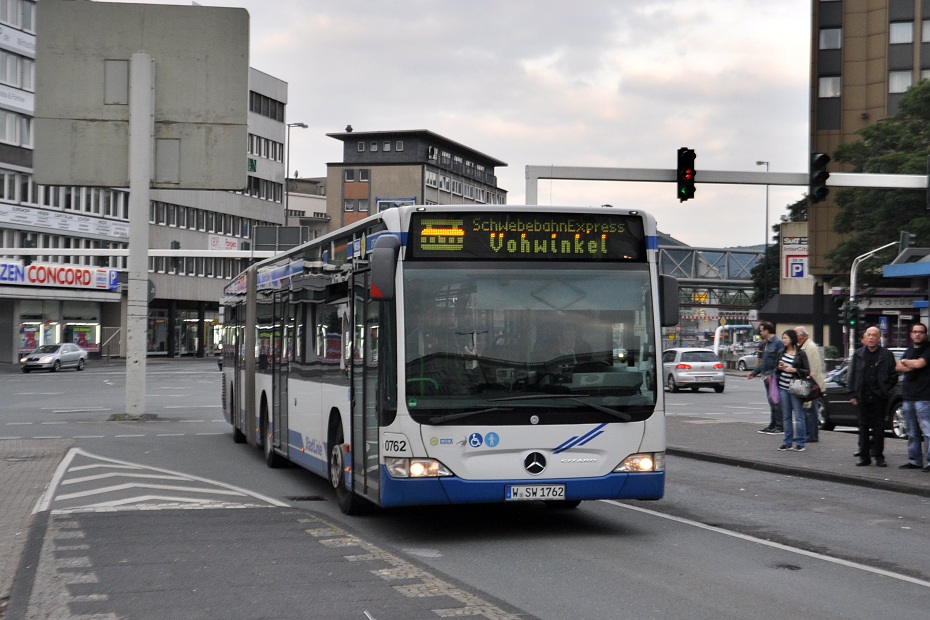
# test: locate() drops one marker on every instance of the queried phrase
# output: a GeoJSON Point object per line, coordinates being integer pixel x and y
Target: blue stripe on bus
{"type": "Point", "coordinates": [652, 242]}
{"type": "Point", "coordinates": [424, 491]}
{"type": "Point", "coordinates": [579, 441]}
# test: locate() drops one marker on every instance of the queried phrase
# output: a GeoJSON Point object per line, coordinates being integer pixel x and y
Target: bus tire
{"type": "Point", "coordinates": [272, 458]}
{"type": "Point", "coordinates": [349, 502]}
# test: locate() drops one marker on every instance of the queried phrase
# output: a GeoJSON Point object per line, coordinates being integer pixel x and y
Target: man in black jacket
{"type": "Point", "coordinates": [871, 378]}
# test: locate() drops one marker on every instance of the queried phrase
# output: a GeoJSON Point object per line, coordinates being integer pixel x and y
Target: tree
{"type": "Point", "coordinates": [870, 217]}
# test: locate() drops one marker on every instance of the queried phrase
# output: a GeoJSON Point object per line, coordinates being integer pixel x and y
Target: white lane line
{"type": "Point", "coordinates": [124, 436]}
{"type": "Point", "coordinates": [9, 438]}
{"type": "Point", "coordinates": [82, 410]}
{"type": "Point", "coordinates": [192, 407]}
{"type": "Point", "coordinates": [169, 435]}
{"type": "Point", "coordinates": [114, 474]}
{"type": "Point", "coordinates": [88, 437]}
{"type": "Point", "coordinates": [208, 434]}
{"type": "Point", "coordinates": [131, 486]}
{"type": "Point", "coordinates": [19, 423]}
{"type": "Point", "coordinates": [774, 545]}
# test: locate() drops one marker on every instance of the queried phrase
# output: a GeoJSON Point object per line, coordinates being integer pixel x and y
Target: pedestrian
{"type": "Point", "coordinates": [766, 367]}
{"type": "Point", "coordinates": [915, 387]}
{"type": "Point", "coordinates": [792, 364]}
{"type": "Point", "coordinates": [870, 380]}
{"type": "Point", "coordinates": [812, 351]}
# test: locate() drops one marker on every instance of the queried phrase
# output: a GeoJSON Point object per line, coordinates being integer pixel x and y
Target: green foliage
{"type": "Point", "coordinates": [870, 218]}
{"type": "Point", "coordinates": [831, 353]}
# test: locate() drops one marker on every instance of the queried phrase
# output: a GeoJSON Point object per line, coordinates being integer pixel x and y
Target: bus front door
{"type": "Point", "coordinates": [364, 365]}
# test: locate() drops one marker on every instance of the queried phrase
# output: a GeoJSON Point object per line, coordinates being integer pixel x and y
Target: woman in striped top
{"type": "Point", "coordinates": [792, 364]}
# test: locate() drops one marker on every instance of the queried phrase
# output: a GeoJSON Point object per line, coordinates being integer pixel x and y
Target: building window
{"type": "Point", "coordinates": [445, 183]}
{"type": "Point", "coordinates": [457, 187]}
{"type": "Point", "coordinates": [386, 147]}
{"type": "Point", "coordinates": [828, 87]}
{"type": "Point", "coordinates": [360, 146]}
{"type": "Point", "coordinates": [901, 32]}
{"type": "Point", "coordinates": [831, 38]}
{"type": "Point", "coordinates": [399, 145]}
{"type": "Point", "coordinates": [349, 175]}
{"type": "Point", "coordinates": [363, 204]}
{"type": "Point", "coordinates": [348, 205]}
{"type": "Point", "coordinates": [432, 178]}
{"type": "Point", "coordinates": [899, 81]}
{"type": "Point", "coordinates": [374, 147]}
{"type": "Point", "coordinates": [925, 31]}
{"type": "Point", "coordinates": [469, 191]}
{"type": "Point", "coordinates": [363, 175]}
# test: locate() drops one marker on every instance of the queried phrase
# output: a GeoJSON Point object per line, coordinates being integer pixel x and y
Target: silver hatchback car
{"type": "Point", "coordinates": [693, 368]}
{"type": "Point", "coordinates": [54, 357]}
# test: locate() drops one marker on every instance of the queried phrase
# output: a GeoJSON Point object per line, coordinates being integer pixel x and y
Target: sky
{"type": "Point", "coordinates": [600, 83]}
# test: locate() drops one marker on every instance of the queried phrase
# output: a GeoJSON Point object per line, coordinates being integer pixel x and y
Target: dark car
{"type": "Point", "coordinates": [834, 408]}
{"type": "Point", "coordinates": [54, 357]}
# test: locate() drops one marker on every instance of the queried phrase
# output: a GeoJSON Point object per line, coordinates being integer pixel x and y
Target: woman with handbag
{"type": "Point", "coordinates": [792, 365]}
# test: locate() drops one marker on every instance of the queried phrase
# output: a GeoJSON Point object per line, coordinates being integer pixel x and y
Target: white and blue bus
{"type": "Point", "coordinates": [434, 355]}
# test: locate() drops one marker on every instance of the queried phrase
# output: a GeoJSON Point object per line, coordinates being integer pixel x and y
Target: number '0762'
{"type": "Point", "coordinates": [395, 445]}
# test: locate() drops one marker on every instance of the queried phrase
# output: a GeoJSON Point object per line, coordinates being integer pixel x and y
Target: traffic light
{"type": "Point", "coordinates": [686, 173]}
{"type": "Point", "coordinates": [905, 240]}
{"type": "Point", "coordinates": [817, 188]}
{"type": "Point", "coordinates": [852, 318]}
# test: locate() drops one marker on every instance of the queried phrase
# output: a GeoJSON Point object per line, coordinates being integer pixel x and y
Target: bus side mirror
{"type": "Point", "coordinates": [383, 266]}
{"type": "Point", "coordinates": [668, 301]}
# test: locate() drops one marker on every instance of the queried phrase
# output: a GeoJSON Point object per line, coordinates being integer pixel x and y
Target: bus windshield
{"type": "Point", "coordinates": [561, 344]}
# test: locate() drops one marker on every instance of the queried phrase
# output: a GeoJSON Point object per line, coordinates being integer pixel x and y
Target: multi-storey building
{"type": "Point", "coordinates": [865, 55]}
{"type": "Point", "coordinates": [75, 292]}
{"type": "Point", "coordinates": [381, 169]}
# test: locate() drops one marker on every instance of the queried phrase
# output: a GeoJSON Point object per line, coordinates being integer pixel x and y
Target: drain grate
{"type": "Point", "coordinates": [305, 498]}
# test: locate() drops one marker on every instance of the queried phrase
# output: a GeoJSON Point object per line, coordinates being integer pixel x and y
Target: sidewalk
{"type": "Point", "coordinates": [739, 444]}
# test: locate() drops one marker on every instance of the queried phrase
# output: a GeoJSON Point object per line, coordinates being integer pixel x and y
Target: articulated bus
{"type": "Point", "coordinates": [433, 355]}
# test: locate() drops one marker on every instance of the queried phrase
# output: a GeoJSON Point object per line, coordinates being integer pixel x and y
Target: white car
{"type": "Point", "coordinates": [693, 368]}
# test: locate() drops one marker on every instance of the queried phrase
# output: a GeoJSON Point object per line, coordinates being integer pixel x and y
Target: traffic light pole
{"type": "Point", "coordinates": [852, 290]}
{"type": "Point", "coordinates": [534, 174]}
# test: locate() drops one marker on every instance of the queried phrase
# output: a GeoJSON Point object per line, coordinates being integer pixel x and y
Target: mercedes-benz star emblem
{"type": "Point", "coordinates": [534, 463]}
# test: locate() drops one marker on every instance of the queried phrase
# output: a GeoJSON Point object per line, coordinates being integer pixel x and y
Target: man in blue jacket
{"type": "Point", "coordinates": [767, 367]}
{"type": "Point", "coordinates": [870, 380]}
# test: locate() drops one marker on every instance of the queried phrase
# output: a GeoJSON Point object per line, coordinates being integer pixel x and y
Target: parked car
{"type": "Point", "coordinates": [693, 368]}
{"type": "Point", "coordinates": [54, 357]}
{"type": "Point", "coordinates": [834, 408]}
{"type": "Point", "coordinates": [747, 362]}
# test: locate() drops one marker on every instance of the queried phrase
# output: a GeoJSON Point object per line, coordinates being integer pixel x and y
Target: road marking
{"type": "Point", "coordinates": [84, 410]}
{"type": "Point", "coordinates": [212, 487]}
{"type": "Point", "coordinates": [774, 545]}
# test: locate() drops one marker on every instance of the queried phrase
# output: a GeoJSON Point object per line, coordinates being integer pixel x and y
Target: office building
{"type": "Point", "coordinates": [75, 291]}
{"type": "Point", "coordinates": [381, 169]}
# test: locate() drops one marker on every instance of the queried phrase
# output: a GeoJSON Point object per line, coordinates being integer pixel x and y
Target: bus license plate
{"type": "Point", "coordinates": [536, 491]}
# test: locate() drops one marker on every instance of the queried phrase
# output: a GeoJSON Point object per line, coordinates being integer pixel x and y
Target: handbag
{"type": "Point", "coordinates": [774, 394]}
{"type": "Point", "coordinates": [805, 389]}
{"type": "Point", "coordinates": [800, 387]}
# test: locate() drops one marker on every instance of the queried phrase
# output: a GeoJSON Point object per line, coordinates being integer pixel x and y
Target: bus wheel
{"type": "Point", "coordinates": [272, 458]}
{"type": "Point", "coordinates": [349, 503]}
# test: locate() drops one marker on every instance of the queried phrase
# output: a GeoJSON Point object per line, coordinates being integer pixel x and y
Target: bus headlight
{"type": "Point", "coordinates": [643, 461]}
{"type": "Point", "coordinates": [415, 468]}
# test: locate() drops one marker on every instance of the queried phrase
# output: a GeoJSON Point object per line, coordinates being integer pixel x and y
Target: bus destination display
{"type": "Point", "coordinates": [526, 236]}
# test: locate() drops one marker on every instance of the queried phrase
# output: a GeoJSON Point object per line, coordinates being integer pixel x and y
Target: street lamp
{"type": "Point", "coordinates": [287, 167]}
{"type": "Point", "coordinates": [765, 256]}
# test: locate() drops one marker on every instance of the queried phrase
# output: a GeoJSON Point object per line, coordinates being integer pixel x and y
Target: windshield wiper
{"type": "Point", "coordinates": [625, 417]}
{"type": "Point", "coordinates": [439, 419]}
